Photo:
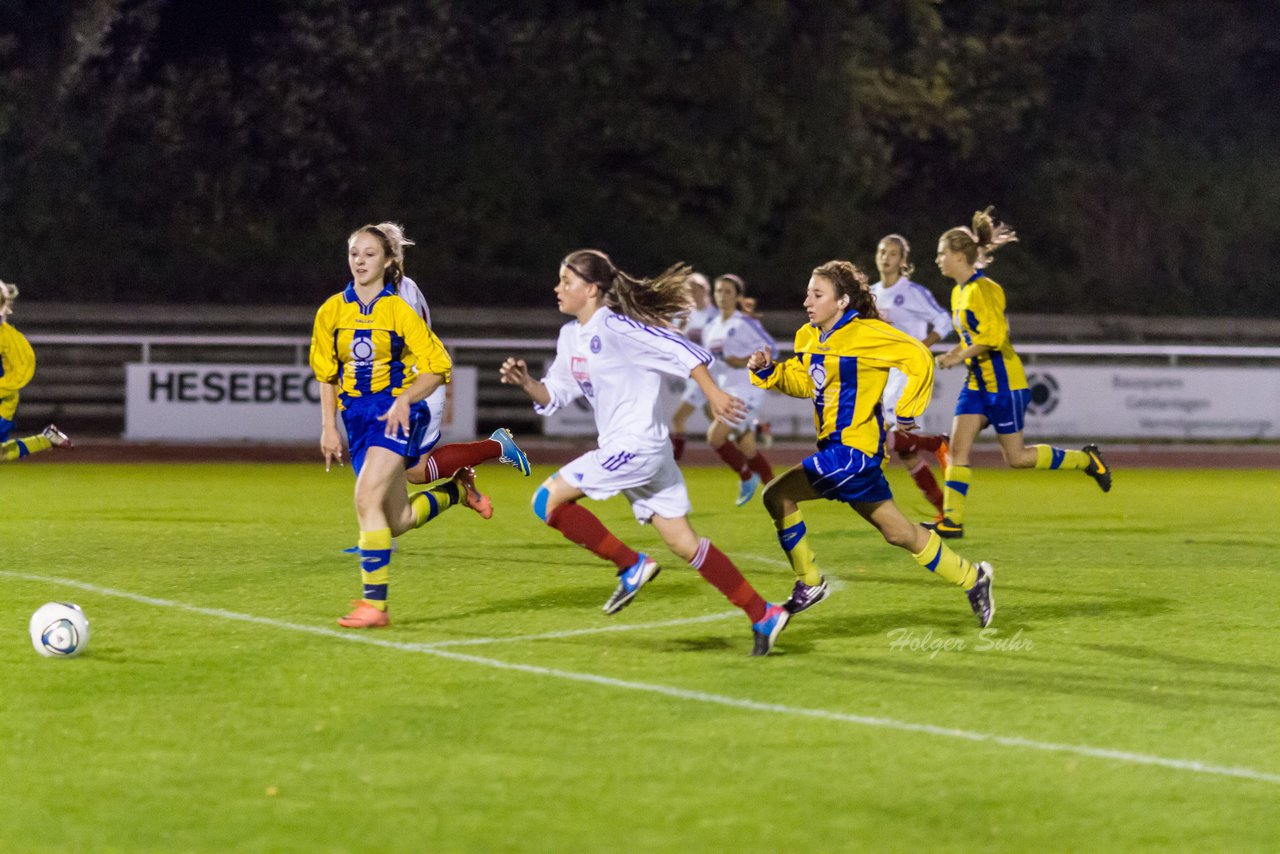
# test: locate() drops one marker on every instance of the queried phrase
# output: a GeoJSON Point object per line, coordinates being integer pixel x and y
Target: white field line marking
{"type": "Point", "coordinates": [769, 561]}
{"type": "Point", "coordinates": [1122, 756]}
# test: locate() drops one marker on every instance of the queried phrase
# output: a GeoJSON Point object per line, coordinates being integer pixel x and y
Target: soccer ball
{"type": "Point", "coordinates": [59, 630]}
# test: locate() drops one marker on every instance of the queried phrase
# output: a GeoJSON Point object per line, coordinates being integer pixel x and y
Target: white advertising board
{"type": "Point", "coordinates": [1068, 401]}
{"type": "Point", "coordinates": [269, 403]}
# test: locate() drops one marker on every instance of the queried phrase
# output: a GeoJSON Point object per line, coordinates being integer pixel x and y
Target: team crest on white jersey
{"type": "Point", "coordinates": [578, 366]}
{"type": "Point", "coordinates": [595, 344]}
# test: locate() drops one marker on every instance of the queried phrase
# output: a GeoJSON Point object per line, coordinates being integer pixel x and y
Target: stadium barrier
{"type": "Point", "coordinates": [1100, 390]}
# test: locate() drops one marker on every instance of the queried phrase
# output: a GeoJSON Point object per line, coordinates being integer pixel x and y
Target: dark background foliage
{"type": "Point", "coordinates": [158, 150]}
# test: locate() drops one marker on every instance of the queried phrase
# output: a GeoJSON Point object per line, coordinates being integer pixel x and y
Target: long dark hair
{"type": "Point", "coordinates": [850, 282]}
{"type": "Point", "coordinates": [653, 301]}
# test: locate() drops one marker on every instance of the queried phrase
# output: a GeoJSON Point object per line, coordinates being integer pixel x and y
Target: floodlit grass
{"type": "Point", "coordinates": [1142, 622]}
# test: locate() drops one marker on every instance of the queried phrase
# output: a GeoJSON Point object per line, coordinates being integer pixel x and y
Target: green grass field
{"type": "Point", "coordinates": [1127, 699]}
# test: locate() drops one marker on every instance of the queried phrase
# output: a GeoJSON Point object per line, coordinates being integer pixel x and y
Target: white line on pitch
{"type": "Point", "coordinates": [1123, 756]}
{"type": "Point", "coordinates": [769, 561]}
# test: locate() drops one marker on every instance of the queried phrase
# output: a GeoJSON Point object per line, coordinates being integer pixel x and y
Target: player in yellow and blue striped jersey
{"type": "Point", "coordinates": [842, 362]}
{"type": "Point", "coordinates": [17, 367]}
{"type": "Point", "coordinates": [377, 362]}
{"type": "Point", "coordinates": [996, 392]}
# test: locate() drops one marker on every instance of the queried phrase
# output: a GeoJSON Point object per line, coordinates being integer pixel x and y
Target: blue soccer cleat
{"type": "Point", "coordinates": [511, 453]}
{"type": "Point", "coordinates": [747, 490]}
{"type": "Point", "coordinates": [630, 581]}
{"type": "Point", "coordinates": [766, 631]}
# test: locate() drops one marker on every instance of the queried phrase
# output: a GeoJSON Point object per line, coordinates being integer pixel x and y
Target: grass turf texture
{"type": "Point", "coordinates": [1143, 621]}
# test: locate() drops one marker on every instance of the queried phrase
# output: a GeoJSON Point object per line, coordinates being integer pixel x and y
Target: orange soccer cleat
{"type": "Point", "coordinates": [944, 453]}
{"type": "Point", "coordinates": [364, 616]}
{"type": "Point", "coordinates": [465, 478]}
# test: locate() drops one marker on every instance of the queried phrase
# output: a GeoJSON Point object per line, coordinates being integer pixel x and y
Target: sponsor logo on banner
{"type": "Point", "coordinates": [273, 403]}
{"type": "Point", "coordinates": [1067, 401]}
{"type": "Point", "coordinates": [1044, 395]}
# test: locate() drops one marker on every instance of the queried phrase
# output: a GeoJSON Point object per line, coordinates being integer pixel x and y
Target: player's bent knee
{"type": "Point", "coordinates": [542, 502]}
{"type": "Point", "coordinates": [774, 499]}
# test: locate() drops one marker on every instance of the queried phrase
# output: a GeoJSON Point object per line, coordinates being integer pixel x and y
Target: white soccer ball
{"type": "Point", "coordinates": [59, 630]}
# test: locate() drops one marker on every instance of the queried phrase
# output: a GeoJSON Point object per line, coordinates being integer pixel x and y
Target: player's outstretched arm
{"type": "Point", "coordinates": [759, 360]}
{"type": "Point", "coordinates": [722, 404]}
{"type": "Point", "coordinates": [516, 372]}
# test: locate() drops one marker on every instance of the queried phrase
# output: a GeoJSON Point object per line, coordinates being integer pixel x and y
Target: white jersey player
{"type": "Point", "coordinates": [412, 294]}
{"type": "Point", "coordinates": [616, 362]}
{"type": "Point", "coordinates": [910, 307]}
{"type": "Point", "coordinates": [732, 337]}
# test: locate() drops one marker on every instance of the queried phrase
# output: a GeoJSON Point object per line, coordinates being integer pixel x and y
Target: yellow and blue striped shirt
{"type": "Point", "coordinates": [977, 309]}
{"type": "Point", "coordinates": [845, 371]}
{"type": "Point", "coordinates": [17, 360]}
{"type": "Point", "coordinates": [374, 348]}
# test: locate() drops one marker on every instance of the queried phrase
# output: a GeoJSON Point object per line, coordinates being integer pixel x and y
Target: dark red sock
{"type": "Point", "coordinates": [902, 443]}
{"type": "Point", "coordinates": [923, 476]}
{"type": "Point", "coordinates": [761, 466]}
{"type": "Point", "coordinates": [734, 459]}
{"type": "Point", "coordinates": [678, 441]}
{"type": "Point", "coordinates": [443, 462]}
{"type": "Point", "coordinates": [716, 568]}
{"type": "Point", "coordinates": [579, 525]}
{"type": "Point", "coordinates": [928, 443]}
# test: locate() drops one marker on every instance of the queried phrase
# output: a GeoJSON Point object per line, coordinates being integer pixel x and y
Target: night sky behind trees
{"type": "Point", "coordinates": [168, 150]}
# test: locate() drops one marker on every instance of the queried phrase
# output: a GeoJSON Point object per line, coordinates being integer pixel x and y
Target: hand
{"type": "Point", "coordinates": [759, 360]}
{"type": "Point", "coordinates": [397, 418]}
{"type": "Point", "coordinates": [726, 407]}
{"type": "Point", "coordinates": [514, 372]}
{"type": "Point", "coordinates": [946, 360]}
{"type": "Point", "coordinates": [330, 446]}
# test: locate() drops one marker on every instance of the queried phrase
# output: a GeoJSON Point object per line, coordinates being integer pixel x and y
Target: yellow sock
{"type": "Point", "coordinates": [431, 503]}
{"type": "Point", "coordinates": [955, 491]}
{"type": "Point", "coordinates": [16, 449]}
{"type": "Point", "coordinates": [939, 559]}
{"type": "Point", "coordinates": [792, 536]}
{"type": "Point", "coordinates": [375, 560]}
{"type": "Point", "coordinates": [1049, 457]}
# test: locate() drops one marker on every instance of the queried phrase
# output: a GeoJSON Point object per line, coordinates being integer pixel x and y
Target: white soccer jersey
{"type": "Point", "coordinates": [412, 294]}
{"type": "Point", "coordinates": [738, 337]}
{"type": "Point", "coordinates": [910, 307]}
{"type": "Point", "coordinates": [616, 363]}
{"type": "Point", "coordinates": [697, 322]}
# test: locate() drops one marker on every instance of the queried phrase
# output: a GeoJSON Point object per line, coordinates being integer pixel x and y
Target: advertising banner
{"type": "Point", "coordinates": [268, 403]}
{"type": "Point", "coordinates": [1068, 401]}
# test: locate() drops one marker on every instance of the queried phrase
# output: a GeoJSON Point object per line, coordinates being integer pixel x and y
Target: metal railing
{"type": "Point", "coordinates": [1173, 353]}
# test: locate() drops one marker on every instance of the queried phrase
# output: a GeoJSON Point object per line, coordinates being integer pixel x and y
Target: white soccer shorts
{"type": "Point", "coordinates": [651, 482]}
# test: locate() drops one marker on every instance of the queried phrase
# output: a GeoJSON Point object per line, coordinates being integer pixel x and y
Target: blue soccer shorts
{"type": "Point", "coordinates": [840, 473]}
{"type": "Point", "coordinates": [365, 431]}
{"type": "Point", "coordinates": [1004, 410]}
